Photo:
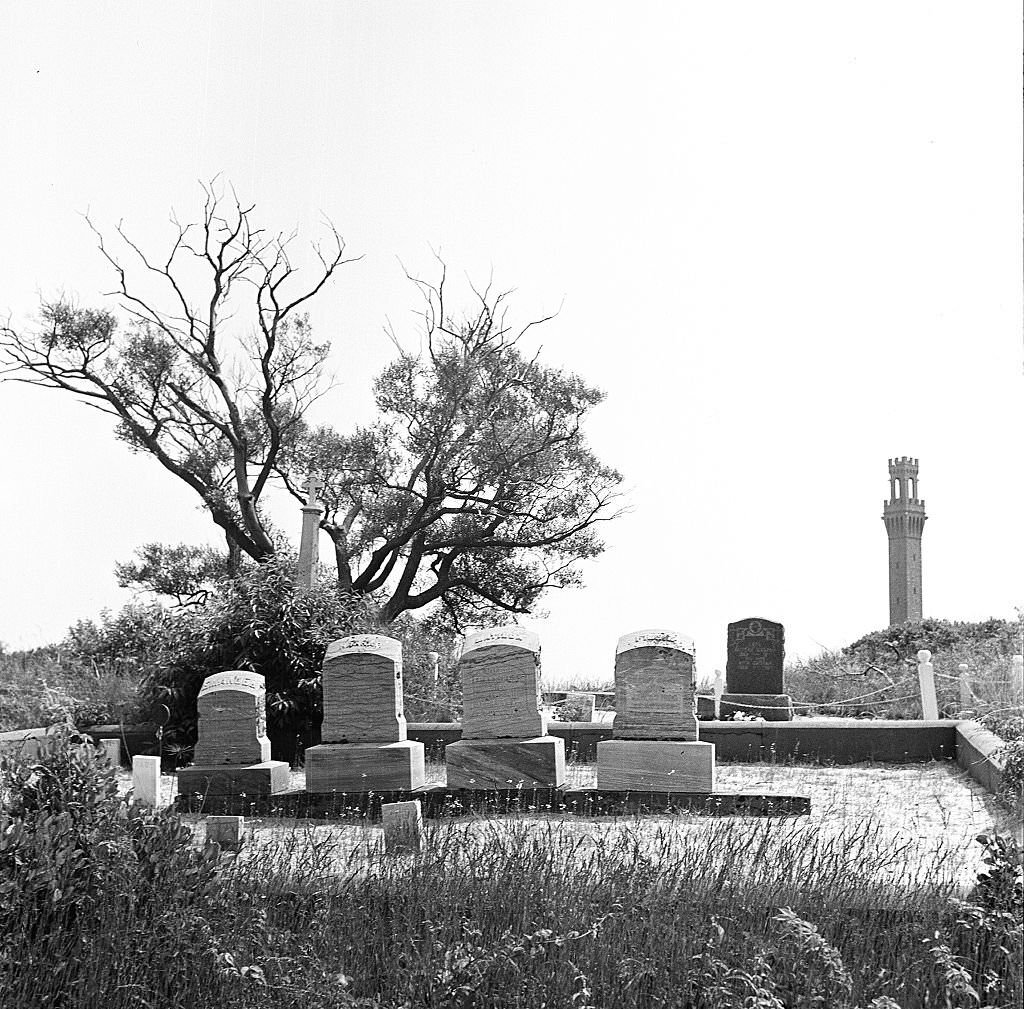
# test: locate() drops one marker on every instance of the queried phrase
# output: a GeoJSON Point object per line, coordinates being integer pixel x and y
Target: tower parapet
{"type": "Point", "coordinates": [904, 517]}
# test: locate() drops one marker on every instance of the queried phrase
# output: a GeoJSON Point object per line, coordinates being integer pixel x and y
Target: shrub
{"type": "Point", "coordinates": [85, 878]}
{"type": "Point", "coordinates": [876, 676]}
{"type": "Point", "coordinates": [41, 687]}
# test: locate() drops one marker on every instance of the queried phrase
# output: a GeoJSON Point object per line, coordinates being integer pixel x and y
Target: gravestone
{"type": "Point", "coordinates": [232, 719]}
{"type": "Point", "coordinates": [504, 740]}
{"type": "Point", "coordinates": [754, 686]}
{"type": "Point", "coordinates": [146, 780]}
{"type": "Point", "coordinates": [227, 831]}
{"type": "Point", "coordinates": [577, 707]}
{"type": "Point", "coordinates": [654, 686]}
{"type": "Point", "coordinates": [756, 649]}
{"type": "Point", "coordinates": [364, 745]}
{"type": "Point", "coordinates": [111, 749]}
{"type": "Point", "coordinates": [501, 685]}
{"type": "Point", "coordinates": [232, 753]}
{"type": "Point", "coordinates": [403, 826]}
{"type": "Point", "coordinates": [654, 745]}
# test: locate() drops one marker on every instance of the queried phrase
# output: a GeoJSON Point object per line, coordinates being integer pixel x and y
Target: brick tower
{"type": "Point", "coordinates": [904, 522]}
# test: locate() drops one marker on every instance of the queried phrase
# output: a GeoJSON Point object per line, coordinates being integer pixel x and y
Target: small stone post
{"type": "Point", "coordinates": [309, 545]}
{"type": "Point", "coordinates": [926, 677]}
{"type": "Point", "coordinates": [434, 658]}
{"type": "Point", "coordinates": [966, 694]}
{"type": "Point", "coordinates": [111, 749]}
{"type": "Point", "coordinates": [403, 826]}
{"type": "Point", "coordinates": [146, 780]}
{"type": "Point", "coordinates": [227, 831]}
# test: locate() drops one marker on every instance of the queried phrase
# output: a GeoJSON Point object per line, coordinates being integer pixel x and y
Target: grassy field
{"type": "Point", "coordinates": [867, 902]}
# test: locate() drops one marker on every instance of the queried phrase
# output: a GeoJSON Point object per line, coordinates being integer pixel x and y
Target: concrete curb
{"type": "Point", "coordinates": [977, 752]}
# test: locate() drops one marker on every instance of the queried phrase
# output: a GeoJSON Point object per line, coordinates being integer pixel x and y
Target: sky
{"type": "Point", "coordinates": [784, 238]}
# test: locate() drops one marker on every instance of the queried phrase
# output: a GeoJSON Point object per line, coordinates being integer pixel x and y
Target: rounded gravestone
{"type": "Point", "coordinates": [654, 686]}
{"type": "Point", "coordinates": [362, 684]}
{"type": "Point", "coordinates": [500, 671]}
{"type": "Point", "coordinates": [232, 719]}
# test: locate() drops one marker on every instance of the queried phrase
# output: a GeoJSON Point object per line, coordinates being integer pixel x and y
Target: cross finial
{"type": "Point", "coordinates": [313, 485]}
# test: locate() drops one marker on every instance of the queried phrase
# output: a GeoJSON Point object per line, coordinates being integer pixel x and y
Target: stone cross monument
{"type": "Point", "coordinates": [904, 519]}
{"type": "Point", "coordinates": [309, 545]}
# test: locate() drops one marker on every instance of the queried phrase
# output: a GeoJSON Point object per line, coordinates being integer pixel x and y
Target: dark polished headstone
{"type": "Point", "coordinates": [755, 651]}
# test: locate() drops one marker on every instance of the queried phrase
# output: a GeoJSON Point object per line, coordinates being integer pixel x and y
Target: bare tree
{"type": "Point", "coordinates": [216, 366]}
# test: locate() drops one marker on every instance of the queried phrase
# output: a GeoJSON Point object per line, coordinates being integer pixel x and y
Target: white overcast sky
{"type": "Point", "coordinates": [785, 239]}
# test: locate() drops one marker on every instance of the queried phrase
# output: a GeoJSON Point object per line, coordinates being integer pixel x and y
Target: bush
{"type": "Point", "coordinates": [91, 889]}
{"type": "Point", "coordinates": [876, 676]}
{"type": "Point", "coordinates": [41, 687]}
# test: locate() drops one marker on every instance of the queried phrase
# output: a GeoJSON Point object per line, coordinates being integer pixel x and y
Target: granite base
{"type": "Point", "coordinates": [770, 707]}
{"type": "Point", "coordinates": [266, 778]}
{"type": "Point", "coordinates": [506, 763]}
{"type": "Point", "coordinates": [365, 767]}
{"type": "Point", "coordinates": [648, 765]}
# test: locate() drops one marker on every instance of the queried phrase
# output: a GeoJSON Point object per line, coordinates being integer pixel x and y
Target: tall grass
{"type": "Point", "coordinates": [530, 910]}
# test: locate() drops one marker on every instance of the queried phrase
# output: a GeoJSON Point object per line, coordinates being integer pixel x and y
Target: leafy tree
{"type": "Point", "coordinates": [215, 366]}
{"type": "Point", "coordinates": [183, 572]}
{"type": "Point", "coordinates": [475, 488]}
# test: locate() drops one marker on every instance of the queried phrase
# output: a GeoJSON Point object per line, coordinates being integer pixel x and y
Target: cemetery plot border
{"type": "Point", "coordinates": [443, 802]}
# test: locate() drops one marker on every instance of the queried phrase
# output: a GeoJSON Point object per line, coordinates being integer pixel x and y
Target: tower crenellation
{"type": "Point", "coordinates": [904, 517]}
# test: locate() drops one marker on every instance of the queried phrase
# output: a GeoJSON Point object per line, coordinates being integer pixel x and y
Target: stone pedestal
{"type": "Point", "coordinates": [365, 767]}
{"type": "Point", "coordinates": [770, 707]}
{"type": "Point", "coordinates": [641, 765]}
{"type": "Point", "coordinates": [506, 763]}
{"type": "Point", "coordinates": [265, 778]}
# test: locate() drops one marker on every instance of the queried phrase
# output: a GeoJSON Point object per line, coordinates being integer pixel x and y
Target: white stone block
{"type": "Point", "coordinates": [111, 749]}
{"type": "Point", "coordinates": [146, 780]}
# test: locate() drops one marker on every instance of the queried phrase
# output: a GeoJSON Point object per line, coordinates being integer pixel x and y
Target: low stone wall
{"type": "Point", "coordinates": [24, 742]}
{"type": "Point", "coordinates": [835, 740]}
{"type": "Point", "coordinates": [977, 752]}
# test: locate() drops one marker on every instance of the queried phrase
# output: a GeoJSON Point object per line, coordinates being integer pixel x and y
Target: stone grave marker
{"type": "Point", "coordinates": [579, 705]}
{"type": "Point", "coordinates": [403, 826]}
{"type": "Point", "coordinates": [654, 686]}
{"type": "Point", "coordinates": [504, 740]}
{"type": "Point", "coordinates": [755, 651]}
{"type": "Point", "coordinates": [364, 744]}
{"type": "Point", "coordinates": [111, 749]}
{"type": "Point", "coordinates": [232, 754]}
{"type": "Point", "coordinates": [654, 745]}
{"type": "Point", "coordinates": [232, 719]}
{"type": "Point", "coordinates": [501, 685]}
{"type": "Point", "coordinates": [146, 780]}
{"type": "Point", "coordinates": [227, 831]}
